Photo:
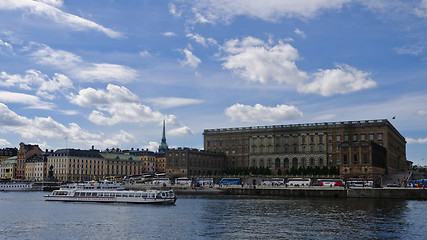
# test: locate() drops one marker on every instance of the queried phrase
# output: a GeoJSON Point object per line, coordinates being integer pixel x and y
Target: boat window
{"type": "Point", "coordinates": [144, 195]}
{"type": "Point", "coordinates": [106, 194]}
{"type": "Point", "coordinates": [118, 194]}
{"type": "Point", "coordinates": [94, 194]}
{"type": "Point", "coordinates": [137, 194]}
{"type": "Point", "coordinates": [131, 194]}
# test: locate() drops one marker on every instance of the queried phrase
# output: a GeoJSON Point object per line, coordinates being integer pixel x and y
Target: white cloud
{"type": "Point", "coordinates": [268, 10]}
{"type": "Point", "coordinates": [152, 146]}
{"type": "Point", "coordinates": [106, 73]}
{"type": "Point", "coordinates": [421, 10]}
{"type": "Point", "coordinates": [202, 40]}
{"type": "Point", "coordinates": [114, 94]}
{"type": "Point", "coordinates": [54, 57]}
{"type": "Point", "coordinates": [300, 33]}
{"type": "Point", "coordinates": [169, 34]}
{"type": "Point", "coordinates": [259, 113]}
{"type": "Point", "coordinates": [422, 113]}
{"type": "Point", "coordinates": [41, 128]}
{"type": "Point", "coordinates": [415, 49]}
{"type": "Point", "coordinates": [414, 141]}
{"type": "Point", "coordinates": [122, 137]}
{"type": "Point", "coordinates": [6, 45]}
{"type": "Point", "coordinates": [257, 61]}
{"type": "Point", "coordinates": [55, 3]}
{"type": "Point", "coordinates": [45, 86]}
{"type": "Point", "coordinates": [69, 112]}
{"type": "Point", "coordinates": [48, 9]}
{"type": "Point", "coordinates": [174, 11]}
{"type": "Point", "coordinates": [170, 102]}
{"type": "Point", "coordinates": [341, 80]}
{"type": "Point", "coordinates": [78, 68]}
{"type": "Point", "coordinates": [116, 105]}
{"type": "Point", "coordinates": [34, 102]}
{"type": "Point", "coordinates": [190, 59]}
{"type": "Point", "coordinates": [182, 131]}
{"type": "Point", "coordinates": [144, 53]}
{"type": "Point", "coordinates": [4, 143]}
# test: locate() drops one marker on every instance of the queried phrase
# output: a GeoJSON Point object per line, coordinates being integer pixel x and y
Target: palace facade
{"type": "Point", "coordinates": [358, 148]}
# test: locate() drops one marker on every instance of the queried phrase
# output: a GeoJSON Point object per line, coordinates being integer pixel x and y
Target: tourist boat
{"type": "Point", "coordinates": [12, 185]}
{"type": "Point", "coordinates": [112, 196]}
{"type": "Point", "coordinates": [94, 185]}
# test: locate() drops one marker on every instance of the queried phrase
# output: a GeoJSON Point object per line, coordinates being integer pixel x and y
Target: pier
{"type": "Point", "coordinates": [334, 192]}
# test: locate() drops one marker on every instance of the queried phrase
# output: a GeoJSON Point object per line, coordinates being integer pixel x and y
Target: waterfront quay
{"type": "Point", "coordinates": [281, 191]}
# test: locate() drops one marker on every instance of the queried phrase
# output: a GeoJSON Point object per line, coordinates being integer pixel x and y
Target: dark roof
{"type": "Point", "coordinates": [77, 153]}
{"type": "Point", "coordinates": [37, 158]}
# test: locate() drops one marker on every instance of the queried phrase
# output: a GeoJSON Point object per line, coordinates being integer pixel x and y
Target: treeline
{"type": "Point", "coordinates": [301, 171]}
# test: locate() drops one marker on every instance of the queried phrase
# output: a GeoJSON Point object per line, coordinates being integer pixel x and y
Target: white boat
{"type": "Point", "coordinates": [95, 185]}
{"type": "Point", "coordinates": [18, 186]}
{"type": "Point", "coordinates": [112, 196]}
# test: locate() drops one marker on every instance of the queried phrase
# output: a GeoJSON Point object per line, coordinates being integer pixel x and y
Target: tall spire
{"type": "Point", "coordinates": [163, 146]}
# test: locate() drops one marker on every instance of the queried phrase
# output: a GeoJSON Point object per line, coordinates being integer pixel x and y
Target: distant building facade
{"type": "Point", "coordinates": [8, 168]}
{"type": "Point", "coordinates": [152, 162]}
{"type": "Point", "coordinates": [25, 151]}
{"type": "Point", "coordinates": [357, 148]}
{"type": "Point", "coordinates": [36, 167]}
{"type": "Point", "coordinates": [186, 162]}
{"type": "Point", "coordinates": [73, 165]}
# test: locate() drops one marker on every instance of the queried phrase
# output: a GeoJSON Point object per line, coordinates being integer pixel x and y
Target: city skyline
{"type": "Point", "coordinates": [107, 73]}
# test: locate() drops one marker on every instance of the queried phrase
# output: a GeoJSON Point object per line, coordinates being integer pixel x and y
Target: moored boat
{"type": "Point", "coordinates": [94, 185]}
{"type": "Point", "coordinates": [12, 185]}
{"type": "Point", "coordinates": [113, 196]}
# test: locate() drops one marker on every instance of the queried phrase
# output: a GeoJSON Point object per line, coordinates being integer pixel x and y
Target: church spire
{"type": "Point", "coordinates": [163, 146]}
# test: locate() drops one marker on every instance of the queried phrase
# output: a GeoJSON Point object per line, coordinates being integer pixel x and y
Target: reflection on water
{"type": "Point", "coordinates": [26, 216]}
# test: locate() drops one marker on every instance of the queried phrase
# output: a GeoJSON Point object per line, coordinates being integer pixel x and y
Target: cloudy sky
{"type": "Point", "coordinates": [76, 73]}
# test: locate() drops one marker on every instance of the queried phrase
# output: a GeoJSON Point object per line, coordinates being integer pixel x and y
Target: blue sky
{"type": "Point", "coordinates": [106, 73]}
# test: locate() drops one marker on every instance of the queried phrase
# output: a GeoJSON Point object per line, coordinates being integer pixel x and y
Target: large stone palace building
{"type": "Point", "coordinates": [358, 148]}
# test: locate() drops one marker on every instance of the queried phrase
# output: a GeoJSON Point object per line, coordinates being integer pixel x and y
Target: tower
{"type": "Point", "coordinates": [163, 146]}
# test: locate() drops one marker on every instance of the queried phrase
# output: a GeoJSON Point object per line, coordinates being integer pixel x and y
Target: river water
{"type": "Point", "coordinates": [24, 215]}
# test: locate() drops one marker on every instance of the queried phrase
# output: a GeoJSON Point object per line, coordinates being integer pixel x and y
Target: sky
{"type": "Point", "coordinates": [106, 73]}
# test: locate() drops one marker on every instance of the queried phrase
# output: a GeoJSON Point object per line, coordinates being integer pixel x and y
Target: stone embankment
{"type": "Point", "coordinates": [335, 192]}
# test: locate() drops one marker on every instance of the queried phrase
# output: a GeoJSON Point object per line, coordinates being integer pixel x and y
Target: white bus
{"type": "Point", "coordinates": [183, 181]}
{"type": "Point", "coordinates": [161, 181]}
{"type": "Point", "coordinates": [273, 182]}
{"type": "Point", "coordinates": [298, 182]}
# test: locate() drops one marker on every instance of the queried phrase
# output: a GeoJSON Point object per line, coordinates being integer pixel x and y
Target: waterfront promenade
{"type": "Point", "coordinates": [281, 191]}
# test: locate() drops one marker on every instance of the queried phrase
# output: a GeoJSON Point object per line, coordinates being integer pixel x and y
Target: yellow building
{"type": "Point", "coordinates": [8, 168]}
{"type": "Point", "coordinates": [72, 165]}
{"type": "Point", "coordinates": [36, 167]}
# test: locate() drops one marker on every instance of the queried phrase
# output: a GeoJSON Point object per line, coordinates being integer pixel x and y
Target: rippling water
{"type": "Point", "coordinates": [24, 215]}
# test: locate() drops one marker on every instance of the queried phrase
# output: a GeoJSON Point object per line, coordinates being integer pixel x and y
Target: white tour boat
{"type": "Point", "coordinates": [114, 196]}
{"type": "Point", "coordinates": [94, 185]}
{"type": "Point", "coordinates": [18, 186]}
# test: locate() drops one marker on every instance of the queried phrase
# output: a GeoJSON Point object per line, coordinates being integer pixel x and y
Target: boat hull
{"type": "Point", "coordinates": [111, 199]}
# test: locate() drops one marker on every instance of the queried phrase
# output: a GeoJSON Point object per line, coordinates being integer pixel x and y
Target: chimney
{"type": "Point", "coordinates": [93, 147]}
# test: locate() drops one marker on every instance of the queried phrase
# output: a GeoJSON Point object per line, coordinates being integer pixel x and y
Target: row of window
{"type": "Point", "coordinates": [227, 142]}
{"type": "Point", "coordinates": [296, 139]}
{"type": "Point", "coordinates": [357, 137]}
{"type": "Point", "coordinates": [288, 163]}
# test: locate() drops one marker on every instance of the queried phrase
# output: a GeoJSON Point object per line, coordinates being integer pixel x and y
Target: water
{"type": "Point", "coordinates": [24, 215]}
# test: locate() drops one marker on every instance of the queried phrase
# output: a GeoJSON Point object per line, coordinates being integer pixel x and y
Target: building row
{"type": "Point", "coordinates": [360, 149]}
